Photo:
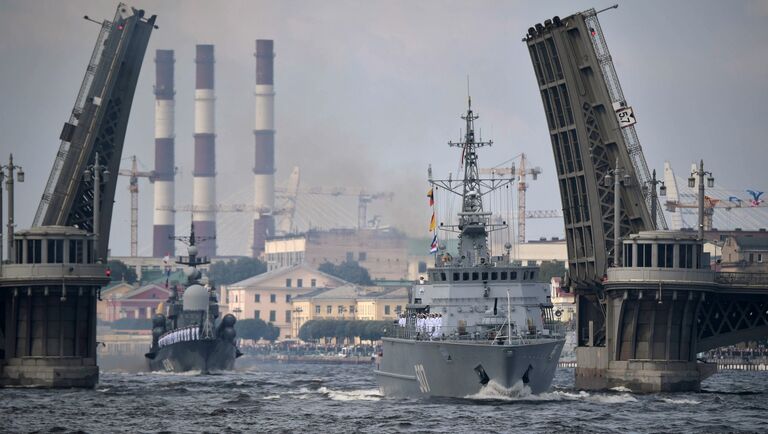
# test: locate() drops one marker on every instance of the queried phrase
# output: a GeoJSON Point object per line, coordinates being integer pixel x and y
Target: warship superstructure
{"type": "Point", "coordinates": [185, 334]}
{"type": "Point", "coordinates": [479, 321]}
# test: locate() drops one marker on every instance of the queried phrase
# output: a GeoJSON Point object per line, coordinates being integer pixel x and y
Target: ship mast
{"type": "Point", "coordinates": [473, 236]}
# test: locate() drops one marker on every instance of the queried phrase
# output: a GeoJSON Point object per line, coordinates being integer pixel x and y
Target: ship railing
{"type": "Point", "coordinates": [476, 333]}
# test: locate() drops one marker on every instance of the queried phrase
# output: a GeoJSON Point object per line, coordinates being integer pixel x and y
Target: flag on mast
{"type": "Point", "coordinates": [432, 223]}
{"type": "Point", "coordinates": [433, 248]}
{"type": "Point", "coordinates": [431, 196]}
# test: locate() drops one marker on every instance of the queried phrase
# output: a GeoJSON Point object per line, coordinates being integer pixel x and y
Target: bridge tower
{"type": "Point", "coordinates": [49, 290]}
{"type": "Point", "coordinates": [638, 326]}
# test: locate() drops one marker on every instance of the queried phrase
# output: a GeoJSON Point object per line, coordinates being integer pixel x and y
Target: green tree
{"type": "Point", "coordinates": [251, 329]}
{"type": "Point", "coordinates": [350, 271]}
{"type": "Point", "coordinates": [121, 272]}
{"type": "Point", "coordinates": [235, 270]}
{"type": "Point", "coordinates": [271, 333]}
{"type": "Point", "coordinates": [341, 329]}
{"type": "Point", "coordinates": [132, 324]}
{"type": "Point", "coordinates": [550, 269]}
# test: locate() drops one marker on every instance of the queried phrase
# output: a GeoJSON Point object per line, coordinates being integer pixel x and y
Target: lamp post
{"type": "Point", "coordinates": [98, 173]}
{"type": "Point", "coordinates": [700, 172]}
{"type": "Point", "coordinates": [6, 172]}
{"type": "Point", "coordinates": [296, 313]}
{"type": "Point", "coordinates": [652, 183]}
{"type": "Point", "coordinates": [618, 177]}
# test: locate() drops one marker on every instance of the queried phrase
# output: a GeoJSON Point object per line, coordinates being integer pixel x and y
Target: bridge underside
{"type": "Point", "coordinates": [655, 330]}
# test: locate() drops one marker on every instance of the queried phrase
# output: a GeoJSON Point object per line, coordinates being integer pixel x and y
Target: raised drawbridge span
{"type": "Point", "coordinates": [50, 285]}
{"type": "Point", "coordinates": [646, 308]}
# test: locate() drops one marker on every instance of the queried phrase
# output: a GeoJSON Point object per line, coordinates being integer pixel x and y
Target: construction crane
{"type": "Point", "coordinates": [133, 175]}
{"type": "Point", "coordinates": [363, 198]}
{"type": "Point", "coordinates": [522, 186]}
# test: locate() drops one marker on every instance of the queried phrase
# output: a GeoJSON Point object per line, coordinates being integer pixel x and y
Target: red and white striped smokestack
{"type": "Point", "coordinates": [164, 228]}
{"type": "Point", "coordinates": [264, 132]}
{"type": "Point", "coordinates": [204, 183]}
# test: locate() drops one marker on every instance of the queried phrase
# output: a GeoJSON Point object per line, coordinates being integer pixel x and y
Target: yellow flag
{"type": "Point", "coordinates": [432, 223]}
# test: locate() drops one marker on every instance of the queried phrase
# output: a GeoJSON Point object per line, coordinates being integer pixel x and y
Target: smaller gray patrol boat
{"type": "Point", "coordinates": [185, 337]}
{"type": "Point", "coordinates": [481, 323]}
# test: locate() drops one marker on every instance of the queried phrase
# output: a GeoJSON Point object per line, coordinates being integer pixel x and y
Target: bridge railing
{"type": "Point", "coordinates": [742, 278]}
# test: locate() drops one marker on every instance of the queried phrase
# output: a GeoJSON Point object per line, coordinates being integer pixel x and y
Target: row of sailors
{"type": "Point", "coordinates": [181, 335]}
{"type": "Point", "coordinates": [428, 324]}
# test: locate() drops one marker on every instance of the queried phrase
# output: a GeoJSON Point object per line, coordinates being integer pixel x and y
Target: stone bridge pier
{"type": "Point", "coordinates": [665, 307]}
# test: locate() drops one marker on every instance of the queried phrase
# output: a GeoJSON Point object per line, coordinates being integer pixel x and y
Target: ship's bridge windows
{"type": "Point", "coordinates": [494, 275]}
{"type": "Point", "coordinates": [503, 275]}
{"type": "Point", "coordinates": [475, 275]}
{"type": "Point", "coordinates": [455, 276]}
{"type": "Point", "coordinates": [665, 255]}
{"type": "Point", "coordinates": [513, 275]}
{"type": "Point", "coordinates": [484, 275]}
{"type": "Point", "coordinates": [525, 275]}
{"type": "Point", "coordinates": [465, 276]}
{"type": "Point", "coordinates": [442, 277]}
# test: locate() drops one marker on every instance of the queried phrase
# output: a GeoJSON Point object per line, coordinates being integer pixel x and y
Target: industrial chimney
{"type": "Point", "coordinates": [204, 183]}
{"type": "Point", "coordinates": [264, 132]}
{"type": "Point", "coordinates": [164, 226]}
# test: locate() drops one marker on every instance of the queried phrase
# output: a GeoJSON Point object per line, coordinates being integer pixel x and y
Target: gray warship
{"type": "Point", "coordinates": [495, 332]}
{"type": "Point", "coordinates": [185, 336]}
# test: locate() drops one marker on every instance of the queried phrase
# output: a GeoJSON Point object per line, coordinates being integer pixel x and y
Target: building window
{"type": "Point", "coordinates": [759, 257]}
{"type": "Point", "coordinates": [329, 309]}
{"type": "Point", "coordinates": [362, 256]}
{"type": "Point", "coordinates": [665, 255]}
{"type": "Point", "coordinates": [350, 256]}
{"type": "Point", "coordinates": [386, 309]}
{"type": "Point", "coordinates": [341, 309]}
{"type": "Point", "coordinates": [317, 309]}
{"type": "Point", "coordinates": [751, 257]}
{"type": "Point", "coordinates": [287, 283]}
{"type": "Point", "coordinates": [257, 298]}
{"type": "Point", "coordinates": [351, 308]}
{"type": "Point", "coordinates": [287, 316]}
{"type": "Point", "coordinates": [256, 314]}
{"type": "Point", "coordinates": [272, 315]}
{"type": "Point", "coordinates": [236, 298]}
{"type": "Point", "coordinates": [422, 267]}
{"type": "Point", "coordinates": [644, 255]}
{"type": "Point", "coordinates": [273, 298]}
{"type": "Point", "coordinates": [398, 308]}
{"type": "Point", "coordinates": [299, 283]}
{"type": "Point", "coordinates": [313, 283]}
{"type": "Point", "coordinates": [287, 298]}
{"type": "Point", "coordinates": [685, 256]}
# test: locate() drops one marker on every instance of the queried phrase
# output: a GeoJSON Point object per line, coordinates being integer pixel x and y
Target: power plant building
{"type": "Point", "coordinates": [383, 252]}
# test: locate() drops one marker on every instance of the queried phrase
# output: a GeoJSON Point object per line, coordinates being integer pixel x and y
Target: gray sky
{"type": "Point", "coordinates": [369, 92]}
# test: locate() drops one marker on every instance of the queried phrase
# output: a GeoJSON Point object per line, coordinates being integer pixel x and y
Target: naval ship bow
{"type": "Point", "coordinates": [185, 333]}
{"type": "Point", "coordinates": [478, 321]}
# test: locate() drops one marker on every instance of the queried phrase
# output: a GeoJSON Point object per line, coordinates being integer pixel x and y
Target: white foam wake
{"type": "Point", "coordinates": [680, 401]}
{"type": "Point", "coordinates": [351, 395]}
{"type": "Point", "coordinates": [521, 392]}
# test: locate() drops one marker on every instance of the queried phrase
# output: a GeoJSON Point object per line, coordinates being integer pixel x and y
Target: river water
{"type": "Point", "coordinates": [343, 398]}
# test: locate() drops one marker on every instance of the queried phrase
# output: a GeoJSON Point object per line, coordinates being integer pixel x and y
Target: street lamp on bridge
{"type": "Point", "coordinates": [617, 176]}
{"type": "Point", "coordinates": [6, 172]}
{"type": "Point", "coordinates": [97, 173]}
{"type": "Point", "coordinates": [700, 172]}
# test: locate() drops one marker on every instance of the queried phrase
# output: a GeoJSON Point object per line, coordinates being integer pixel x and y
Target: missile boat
{"type": "Point", "coordinates": [186, 335]}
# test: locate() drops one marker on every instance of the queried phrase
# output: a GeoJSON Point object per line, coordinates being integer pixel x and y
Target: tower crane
{"type": "Point", "coordinates": [133, 175]}
{"type": "Point", "coordinates": [522, 186]}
